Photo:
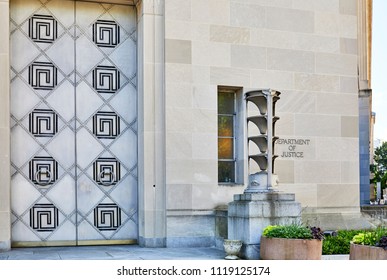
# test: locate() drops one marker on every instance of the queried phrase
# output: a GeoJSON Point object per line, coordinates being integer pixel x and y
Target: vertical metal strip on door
{"type": "Point", "coordinates": [73, 123]}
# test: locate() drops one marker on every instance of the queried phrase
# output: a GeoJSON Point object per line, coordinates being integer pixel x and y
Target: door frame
{"type": "Point", "coordinates": [151, 107]}
{"type": "Point", "coordinates": [76, 216]}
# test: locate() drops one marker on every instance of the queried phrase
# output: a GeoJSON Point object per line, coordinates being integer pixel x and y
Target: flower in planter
{"type": "Point", "coordinates": [294, 231]}
{"type": "Point", "coordinates": [382, 242]}
{"type": "Point", "coordinates": [377, 238]}
{"type": "Point", "coordinates": [365, 238]}
{"type": "Point", "coordinates": [317, 233]}
{"type": "Point", "coordinates": [371, 245]}
{"type": "Point", "coordinates": [291, 242]}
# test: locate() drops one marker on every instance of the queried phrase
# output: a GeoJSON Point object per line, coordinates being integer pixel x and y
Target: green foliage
{"type": "Point", "coordinates": [380, 156]}
{"type": "Point", "coordinates": [335, 245]}
{"type": "Point", "coordinates": [371, 238]}
{"type": "Point", "coordinates": [364, 238]}
{"type": "Point", "coordinates": [380, 232]}
{"type": "Point", "coordinates": [339, 244]}
{"type": "Point", "coordinates": [379, 169]}
{"type": "Point", "coordinates": [332, 245]}
{"type": "Point", "coordinates": [268, 229]}
{"type": "Point", "coordinates": [288, 231]}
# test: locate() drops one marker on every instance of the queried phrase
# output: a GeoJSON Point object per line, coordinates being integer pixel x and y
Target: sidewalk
{"type": "Point", "coordinates": [114, 252]}
{"type": "Point", "coordinates": [122, 252]}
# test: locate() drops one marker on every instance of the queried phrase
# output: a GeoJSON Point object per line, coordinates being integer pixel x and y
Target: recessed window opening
{"type": "Point", "coordinates": [226, 136]}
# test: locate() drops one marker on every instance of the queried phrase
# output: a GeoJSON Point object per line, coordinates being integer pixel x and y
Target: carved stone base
{"type": "Point", "coordinates": [250, 213]}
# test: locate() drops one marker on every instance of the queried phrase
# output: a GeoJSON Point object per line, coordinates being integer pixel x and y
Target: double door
{"type": "Point", "coordinates": [73, 123]}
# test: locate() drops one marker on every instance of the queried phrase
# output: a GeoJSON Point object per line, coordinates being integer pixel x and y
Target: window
{"type": "Point", "coordinates": [230, 131]}
{"type": "Point", "coordinates": [226, 137]}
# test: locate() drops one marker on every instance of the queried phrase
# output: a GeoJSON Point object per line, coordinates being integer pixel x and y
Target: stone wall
{"type": "Point", "coordinates": [307, 50]}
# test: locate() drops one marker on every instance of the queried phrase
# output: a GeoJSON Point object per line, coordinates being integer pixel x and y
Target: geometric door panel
{"type": "Point", "coordinates": [73, 123]}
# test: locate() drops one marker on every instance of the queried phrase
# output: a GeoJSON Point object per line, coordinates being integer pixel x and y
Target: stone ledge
{"type": "Point", "coordinates": [274, 196]}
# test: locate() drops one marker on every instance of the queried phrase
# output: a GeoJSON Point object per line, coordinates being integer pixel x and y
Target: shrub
{"type": "Point", "coordinates": [335, 245]}
{"type": "Point", "coordinates": [339, 244]}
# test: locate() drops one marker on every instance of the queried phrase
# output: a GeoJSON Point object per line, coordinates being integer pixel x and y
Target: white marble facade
{"type": "Point", "coordinates": [186, 50]}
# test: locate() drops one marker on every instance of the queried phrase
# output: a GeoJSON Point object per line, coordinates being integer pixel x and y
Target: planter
{"type": "Point", "coordinates": [232, 248]}
{"type": "Point", "coordinates": [290, 249]}
{"type": "Point", "coordinates": [363, 252]}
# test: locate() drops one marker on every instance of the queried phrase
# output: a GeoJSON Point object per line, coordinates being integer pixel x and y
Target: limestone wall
{"type": "Point", "coordinates": [305, 49]}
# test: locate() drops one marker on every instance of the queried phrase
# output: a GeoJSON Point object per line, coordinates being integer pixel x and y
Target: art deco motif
{"type": "Point", "coordinates": [106, 33]}
{"type": "Point", "coordinates": [106, 79]}
{"type": "Point", "coordinates": [44, 217]}
{"type": "Point", "coordinates": [107, 216]}
{"type": "Point", "coordinates": [106, 125]}
{"type": "Point", "coordinates": [42, 75]}
{"type": "Point", "coordinates": [43, 171]}
{"type": "Point", "coordinates": [106, 171]}
{"type": "Point", "coordinates": [42, 29]}
{"type": "Point", "coordinates": [43, 123]}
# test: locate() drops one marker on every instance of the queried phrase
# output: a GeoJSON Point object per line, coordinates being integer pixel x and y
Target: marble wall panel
{"type": "Point", "coordinates": [178, 51]}
{"type": "Point", "coordinates": [332, 195]}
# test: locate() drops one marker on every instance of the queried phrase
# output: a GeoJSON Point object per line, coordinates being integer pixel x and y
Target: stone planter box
{"type": "Point", "coordinates": [363, 252]}
{"type": "Point", "coordinates": [290, 249]}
